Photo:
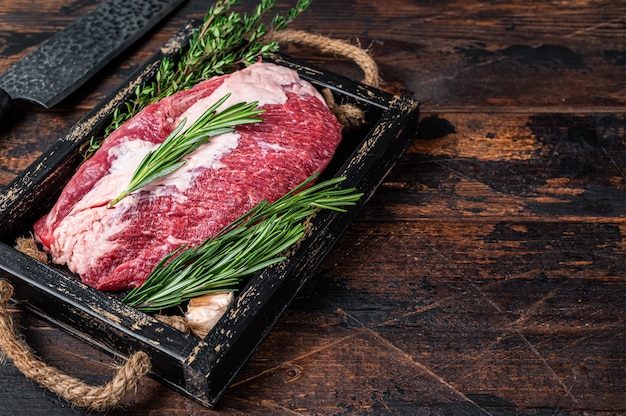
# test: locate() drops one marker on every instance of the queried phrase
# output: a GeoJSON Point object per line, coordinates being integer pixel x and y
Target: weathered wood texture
{"type": "Point", "coordinates": [486, 276]}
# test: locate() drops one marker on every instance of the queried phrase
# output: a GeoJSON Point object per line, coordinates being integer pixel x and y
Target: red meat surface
{"type": "Point", "coordinates": [116, 248]}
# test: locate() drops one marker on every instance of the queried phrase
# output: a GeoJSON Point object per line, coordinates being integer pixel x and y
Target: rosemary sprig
{"type": "Point", "coordinates": [168, 156]}
{"type": "Point", "coordinates": [252, 242]}
{"type": "Point", "coordinates": [224, 41]}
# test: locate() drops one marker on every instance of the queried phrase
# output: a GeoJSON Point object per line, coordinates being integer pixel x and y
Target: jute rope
{"type": "Point", "coordinates": [332, 47]}
{"type": "Point", "coordinates": [29, 247]}
{"type": "Point", "coordinates": [98, 398]}
{"type": "Point", "coordinates": [108, 396]}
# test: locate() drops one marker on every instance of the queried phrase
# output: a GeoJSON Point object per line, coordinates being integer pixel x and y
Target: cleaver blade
{"type": "Point", "coordinates": [62, 63]}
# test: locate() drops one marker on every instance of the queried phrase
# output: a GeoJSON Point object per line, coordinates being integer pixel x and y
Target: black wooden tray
{"type": "Point", "coordinates": [201, 369]}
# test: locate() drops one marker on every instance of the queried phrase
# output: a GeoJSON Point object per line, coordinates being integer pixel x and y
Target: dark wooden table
{"type": "Point", "coordinates": [486, 276]}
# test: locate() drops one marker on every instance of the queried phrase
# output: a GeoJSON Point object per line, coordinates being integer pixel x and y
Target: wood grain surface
{"type": "Point", "coordinates": [485, 277]}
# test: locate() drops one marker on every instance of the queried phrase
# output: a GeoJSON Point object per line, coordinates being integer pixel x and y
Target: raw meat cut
{"type": "Point", "coordinates": [116, 248]}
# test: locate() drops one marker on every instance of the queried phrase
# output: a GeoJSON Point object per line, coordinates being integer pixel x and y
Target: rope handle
{"type": "Point", "coordinates": [98, 398]}
{"type": "Point", "coordinates": [331, 46]}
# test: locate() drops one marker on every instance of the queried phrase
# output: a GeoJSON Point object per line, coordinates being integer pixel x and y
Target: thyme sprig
{"type": "Point", "coordinates": [256, 240]}
{"type": "Point", "coordinates": [225, 41]}
{"type": "Point", "coordinates": [169, 155]}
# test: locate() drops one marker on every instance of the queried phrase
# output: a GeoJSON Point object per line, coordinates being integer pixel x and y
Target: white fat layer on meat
{"type": "Point", "coordinates": [87, 229]}
{"type": "Point", "coordinates": [265, 83]}
{"type": "Point", "coordinates": [207, 156]}
{"type": "Point", "coordinates": [266, 147]}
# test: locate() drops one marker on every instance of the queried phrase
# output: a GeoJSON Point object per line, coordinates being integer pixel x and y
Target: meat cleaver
{"type": "Point", "coordinates": [62, 63]}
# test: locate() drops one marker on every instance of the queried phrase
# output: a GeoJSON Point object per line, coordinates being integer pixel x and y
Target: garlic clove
{"type": "Point", "coordinates": [204, 311]}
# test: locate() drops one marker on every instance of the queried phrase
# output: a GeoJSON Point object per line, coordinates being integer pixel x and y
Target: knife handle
{"type": "Point", "coordinates": [6, 106]}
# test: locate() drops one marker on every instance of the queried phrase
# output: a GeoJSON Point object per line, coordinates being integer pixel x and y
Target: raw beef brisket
{"type": "Point", "coordinates": [116, 248]}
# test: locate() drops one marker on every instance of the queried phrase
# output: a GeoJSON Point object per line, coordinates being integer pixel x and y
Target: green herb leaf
{"type": "Point", "coordinates": [252, 242]}
{"type": "Point", "coordinates": [168, 156]}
